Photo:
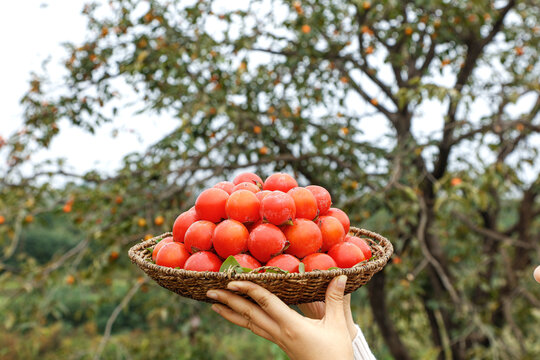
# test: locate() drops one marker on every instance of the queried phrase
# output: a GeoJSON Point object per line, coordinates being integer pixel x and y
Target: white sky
{"type": "Point", "coordinates": [32, 31]}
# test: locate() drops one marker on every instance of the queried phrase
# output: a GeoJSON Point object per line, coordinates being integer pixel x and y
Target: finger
{"type": "Point", "coordinates": [246, 309]}
{"type": "Point", "coordinates": [240, 320]}
{"type": "Point", "coordinates": [334, 299]}
{"type": "Point", "coordinates": [269, 302]}
{"type": "Point", "coordinates": [348, 316]}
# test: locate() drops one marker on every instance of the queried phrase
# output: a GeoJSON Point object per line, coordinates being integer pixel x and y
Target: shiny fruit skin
{"type": "Point", "coordinates": [247, 261]}
{"type": "Point", "coordinates": [318, 261]}
{"type": "Point", "coordinates": [278, 208]}
{"type": "Point", "coordinates": [332, 232]}
{"type": "Point", "coordinates": [182, 223]}
{"type": "Point", "coordinates": [341, 216]}
{"type": "Point", "coordinates": [285, 262]}
{"type": "Point", "coordinates": [225, 185]}
{"type": "Point", "coordinates": [262, 194]}
{"type": "Point", "coordinates": [230, 238]}
{"type": "Point", "coordinates": [203, 261]}
{"type": "Point", "coordinates": [279, 181]}
{"type": "Point", "coordinates": [247, 186]}
{"type": "Point", "coordinates": [346, 254]}
{"type": "Point", "coordinates": [243, 206]}
{"type": "Point", "coordinates": [199, 236]}
{"type": "Point", "coordinates": [159, 245]}
{"type": "Point", "coordinates": [210, 205]}
{"type": "Point", "coordinates": [324, 200]}
{"type": "Point", "coordinates": [305, 202]}
{"type": "Point", "coordinates": [266, 241]}
{"type": "Point", "coordinates": [172, 255]}
{"type": "Point", "coordinates": [361, 243]}
{"type": "Point", "coordinates": [304, 237]}
{"type": "Point", "coordinates": [248, 177]}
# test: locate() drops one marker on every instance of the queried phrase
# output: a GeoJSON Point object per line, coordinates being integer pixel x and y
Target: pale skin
{"type": "Point", "coordinates": [326, 332]}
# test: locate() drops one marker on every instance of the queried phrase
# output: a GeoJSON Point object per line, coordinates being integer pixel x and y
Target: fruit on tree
{"type": "Point", "coordinates": [304, 237]}
{"type": "Point", "coordinates": [203, 261]}
{"type": "Point", "coordinates": [318, 261]}
{"type": "Point", "coordinates": [346, 254]}
{"type": "Point", "coordinates": [266, 241]}
{"type": "Point", "coordinates": [279, 181]}
{"type": "Point", "coordinates": [159, 245]}
{"type": "Point", "coordinates": [278, 208]}
{"type": "Point", "coordinates": [243, 206]}
{"type": "Point", "coordinates": [285, 262]}
{"type": "Point", "coordinates": [230, 238]}
{"type": "Point", "coordinates": [341, 216]}
{"type": "Point", "coordinates": [173, 255]}
{"type": "Point", "coordinates": [247, 261]}
{"type": "Point", "coordinates": [199, 236]}
{"type": "Point", "coordinates": [324, 200]}
{"type": "Point", "coordinates": [305, 202]}
{"type": "Point", "coordinates": [210, 205]}
{"type": "Point", "coordinates": [182, 223]}
{"type": "Point", "coordinates": [361, 243]}
{"type": "Point", "coordinates": [332, 232]}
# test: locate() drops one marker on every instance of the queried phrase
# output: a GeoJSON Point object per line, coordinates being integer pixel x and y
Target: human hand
{"type": "Point", "coordinates": [316, 310]}
{"type": "Point", "coordinates": [300, 337]}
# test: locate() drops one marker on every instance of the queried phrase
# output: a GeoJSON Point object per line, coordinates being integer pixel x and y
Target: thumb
{"type": "Point", "coordinates": [334, 299]}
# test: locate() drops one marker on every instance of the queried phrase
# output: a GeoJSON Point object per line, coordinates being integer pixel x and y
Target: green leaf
{"type": "Point", "coordinates": [229, 262]}
{"type": "Point", "coordinates": [301, 268]}
{"type": "Point", "coordinates": [333, 268]}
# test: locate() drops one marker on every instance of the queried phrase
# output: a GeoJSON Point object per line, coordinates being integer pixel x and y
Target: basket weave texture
{"type": "Point", "coordinates": [291, 288]}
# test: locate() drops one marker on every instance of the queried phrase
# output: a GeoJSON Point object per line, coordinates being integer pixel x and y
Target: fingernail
{"type": "Point", "coordinates": [216, 308]}
{"type": "Point", "coordinates": [342, 281]}
{"type": "Point", "coordinates": [233, 287]}
{"type": "Point", "coordinates": [212, 294]}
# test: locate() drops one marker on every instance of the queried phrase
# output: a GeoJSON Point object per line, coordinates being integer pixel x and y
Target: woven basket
{"type": "Point", "coordinates": [291, 288]}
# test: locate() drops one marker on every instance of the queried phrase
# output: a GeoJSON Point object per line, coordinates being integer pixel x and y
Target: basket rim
{"type": "Point", "coordinates": [137, 251]}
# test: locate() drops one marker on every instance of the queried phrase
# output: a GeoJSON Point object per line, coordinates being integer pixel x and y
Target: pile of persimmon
{"type": "Point", "coordinates": [250, 223]}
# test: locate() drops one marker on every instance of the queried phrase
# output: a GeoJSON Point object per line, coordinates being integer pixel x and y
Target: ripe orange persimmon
{"type": "Point", "coordinates": [318, 261]}
{"type": "Point", "coordinates": [346, 254]}
{"type": "Point", "coordinates": [203, 261]}
{"type": "Point", "coordinates": [210, 205]}
{"type": "Point", "coordinates": [199, 236]}
{"type": "Point", "coordinates": [172, 255]}
{"type": "Point", "coordinates": [243, 206]}
{"type": "Point", "coordinates": [305, 203]}
{"type": "Point", "coordinates": [332, 232]}
{"type": "Point", "coordinates": [285, 262]}
{"type": "Point", "coordinates": [182, 223]}
{"type": "Point", "coordinates": [304, 237]}
{"type": "Point", "coordinates": [278, 208]}
{"type": "Point", "coordinates": [159, 245]}
{"type": "Point", "coordinates": [324, 200]}
{"type": "Point", "coordinates": [225, 185]}
{"type": "Point", "coordinates": [230, 238]}
{"type": "Point", "coordinates": [248, 177]}
{"type": "Point", "coordinates": [266, 241]}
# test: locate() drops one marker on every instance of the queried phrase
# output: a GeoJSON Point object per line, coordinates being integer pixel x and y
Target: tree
{"type": "Point", "coordinates": [292, 86]}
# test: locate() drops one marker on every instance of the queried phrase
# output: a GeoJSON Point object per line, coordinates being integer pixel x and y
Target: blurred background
{"type": "Point", "coordinates": [421, 118]}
